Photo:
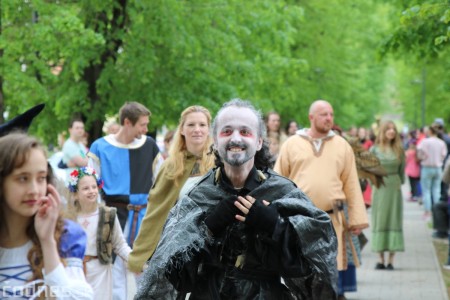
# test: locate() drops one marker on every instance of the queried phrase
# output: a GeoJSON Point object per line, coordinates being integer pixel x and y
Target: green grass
{"type": "Point", "coordinates": [442, 254]}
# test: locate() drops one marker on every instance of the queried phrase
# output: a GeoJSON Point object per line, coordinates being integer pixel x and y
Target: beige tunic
{"type": "Point", "coordinates": [326, 175]}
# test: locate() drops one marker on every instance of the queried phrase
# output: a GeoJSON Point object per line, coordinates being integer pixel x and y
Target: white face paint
{"type": "Point", "coordinates": [237, 138]}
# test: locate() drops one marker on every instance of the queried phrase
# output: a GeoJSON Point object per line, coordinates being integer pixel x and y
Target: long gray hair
{"type": "Point", "coordinates": [263, 158]}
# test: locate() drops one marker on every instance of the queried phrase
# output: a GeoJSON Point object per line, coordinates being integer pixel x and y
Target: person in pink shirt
{"type": "Point", "coordinates": [412, 169]}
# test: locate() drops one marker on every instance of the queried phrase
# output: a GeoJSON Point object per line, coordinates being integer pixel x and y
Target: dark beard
{"type": "Point", "coordinates": [235, 159]}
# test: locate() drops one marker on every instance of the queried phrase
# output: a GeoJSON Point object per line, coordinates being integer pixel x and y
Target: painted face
{"type": "Point", "coordinates": [195, 129]}
{"type": "Point", "coordinates": [237, 137]}
{"type": "Point", "coordinates": [390, 132]}
{"type": "Point", "coordinates": [273, 122]}
{"type": "Point", "coordinates": [26, 185]}
{"type": "Point", "coordinates": [87, 190]}
{"type": "Point", "coordinates": [141, 126]}
{"type": "Point", "coordinates": [322, 119]}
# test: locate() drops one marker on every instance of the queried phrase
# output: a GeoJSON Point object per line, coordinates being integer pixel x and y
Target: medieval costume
{"type": "Point", "coordinates": [162, 198]}
{"type": "Point", "coordinates": [325, 169]}
{"type": "Point", "coordinates": [104, 236]}
{"type": "Point", "coordinates": [65, 282]}
{"type": "Point", "coordinates": [296, 261]}
{"type": "Point", "coordinates": [387, 204]}
{"type": "Point", "coordinates": [128, 174]}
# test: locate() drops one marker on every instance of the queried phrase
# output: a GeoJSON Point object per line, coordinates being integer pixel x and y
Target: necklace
{"type": "Point", "coordinates": [196, 169]}
{"type": "Point", "coordinates": [84, 219]}
{"type": "Point", "coordinates": [85, 223]}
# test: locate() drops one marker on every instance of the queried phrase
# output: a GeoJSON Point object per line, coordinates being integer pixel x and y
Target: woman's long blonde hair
{"type": "Point", "coordinates": [178, 149]}
{"type": "Point", "coordinates": [384, 144]}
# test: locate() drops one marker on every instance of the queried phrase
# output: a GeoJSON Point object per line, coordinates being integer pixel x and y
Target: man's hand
{"type": "Point", "coordinates": [221, 216]}
{"type": "Point", "coordinates": [258, 214]}
{"type": "Point", "coordinates": [78, 161]}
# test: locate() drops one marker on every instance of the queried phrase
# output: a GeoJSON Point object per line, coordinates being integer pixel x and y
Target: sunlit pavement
{"type": "Point", "coordinates": [417, 273]}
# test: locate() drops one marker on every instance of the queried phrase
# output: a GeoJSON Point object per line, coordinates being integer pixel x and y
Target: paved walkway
{"type": "Point", "coordinates": [417, 273]}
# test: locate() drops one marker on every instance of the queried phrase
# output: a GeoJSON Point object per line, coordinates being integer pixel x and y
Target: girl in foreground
{"type": "Point", "coordinates": [104, 234]}
{"type": "Point", "coordinates": [40, 253]}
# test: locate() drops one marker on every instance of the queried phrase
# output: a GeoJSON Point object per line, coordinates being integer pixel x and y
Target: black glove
{"type": "Point", "coordinates": [222, 215]}
{"type": "Point", "coordinates": [262, 217]}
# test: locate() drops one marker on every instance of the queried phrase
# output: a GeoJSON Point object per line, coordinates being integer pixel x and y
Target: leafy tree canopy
{"type": "Point", "coordinates": [86, 58]}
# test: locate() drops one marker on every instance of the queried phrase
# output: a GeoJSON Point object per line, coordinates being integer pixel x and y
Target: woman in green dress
{"type": "Point", "coordinates": [387, 200]}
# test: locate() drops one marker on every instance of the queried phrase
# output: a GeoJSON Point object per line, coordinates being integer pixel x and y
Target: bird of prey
{"type": "Point", "coordinates": [367, 164]}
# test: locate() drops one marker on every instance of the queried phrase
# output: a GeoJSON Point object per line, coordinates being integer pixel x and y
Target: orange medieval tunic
{"type": "Point", "coordinates": [326, 175]}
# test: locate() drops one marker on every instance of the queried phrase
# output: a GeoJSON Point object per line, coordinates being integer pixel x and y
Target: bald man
{"type": "Point", "coordinates": [322, 164]}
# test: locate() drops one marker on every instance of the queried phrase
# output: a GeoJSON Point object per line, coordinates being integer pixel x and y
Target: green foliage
{"type": "Point", "coordinates": [88, 57]}
{"type": "Point", "coordinates": [339, 41]}
{"type": "Point", "coordinates": [424, 30]}
{"type": "Point", "coordinates": [421, 41]}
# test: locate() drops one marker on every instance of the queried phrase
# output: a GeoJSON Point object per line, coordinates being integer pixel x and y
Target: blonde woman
{"type": "Point", "coordinates": [387, 200]}
{"type": "Point", "coordinates": [188, 160]}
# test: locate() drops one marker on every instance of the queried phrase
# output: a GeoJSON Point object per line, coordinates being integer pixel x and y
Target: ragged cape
{"type": "Point", "coordinates": [186, 234]}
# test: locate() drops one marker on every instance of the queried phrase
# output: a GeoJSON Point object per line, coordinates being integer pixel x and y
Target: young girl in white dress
{"type": "Point", "coordinates": [40, 253]}
{"type": "Point", "coordinates": [104, 234]}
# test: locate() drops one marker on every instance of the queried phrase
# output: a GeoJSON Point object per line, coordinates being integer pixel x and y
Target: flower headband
{"type": "Point", "coordinates": [80, 172]}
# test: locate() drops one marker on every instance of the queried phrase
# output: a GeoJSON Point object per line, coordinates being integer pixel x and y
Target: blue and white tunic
{"type": "Point", "coordinates": [64, 282]}
{"type": "Point", "coordinates": [128, 171]}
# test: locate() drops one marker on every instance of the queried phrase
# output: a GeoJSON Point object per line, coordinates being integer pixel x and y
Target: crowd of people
{"type": "Point", "coordinates": [232, 207]}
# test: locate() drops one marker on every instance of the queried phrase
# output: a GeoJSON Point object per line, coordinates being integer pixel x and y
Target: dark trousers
{"type": "Point", "coordinates": [440, 218]}
{"type": "Point", "coordinates": [414, 184]}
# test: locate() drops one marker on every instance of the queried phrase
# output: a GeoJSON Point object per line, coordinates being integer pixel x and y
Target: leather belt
{"type": "Point", "coordinates": [86, 259]}
{"type": "Point", "coordinates": [117, 204]}
{"type": "Point", "coordinates": [136, 209]}
{"type": "Point", "coordinates": [131, 207]}
{"type": "Point", "coordinates": [337, 206]}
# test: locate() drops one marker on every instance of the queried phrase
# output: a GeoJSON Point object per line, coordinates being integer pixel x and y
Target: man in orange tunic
{"type": "Point", "coordinates": [322, 164]}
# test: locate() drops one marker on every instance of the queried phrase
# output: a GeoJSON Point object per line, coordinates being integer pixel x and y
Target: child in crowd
{"type": "Point", "coordinates": [40, 253]}
{"type": "Point", "coordinates": [412, 170]}
{"type": "Point", "coordinates": [104, 234]}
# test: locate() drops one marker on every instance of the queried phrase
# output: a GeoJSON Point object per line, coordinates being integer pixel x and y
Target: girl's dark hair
{"type": "Point", "coordinates": [288, 125]}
